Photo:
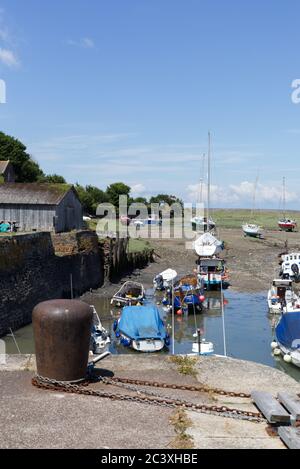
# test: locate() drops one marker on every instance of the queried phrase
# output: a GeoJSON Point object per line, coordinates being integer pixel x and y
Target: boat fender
{"type": "Point", "coordinates": [276, 352]}
{"type": "Point", "coordinates": [118, 334]}
{"type": "Point", "coordinates": [115, 325]}
{"type": "Point", "coordinates": [287, 358]}
{"type": "Point", "coordinates": [274, 345]}
{"type": "Point", "coordinates": [126, 342]}
{"type": "Point", "coordinates": [202, 298]}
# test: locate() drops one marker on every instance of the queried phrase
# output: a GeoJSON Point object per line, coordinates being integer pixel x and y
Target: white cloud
{"type": "Point", "coordinates": [85, 43]}
{"type": "Point", "coordinates": [137, 190]}
{"type": "Point", "coordinates": [7, 57]}
{"type": "Point", "coordinates": [241, 194]}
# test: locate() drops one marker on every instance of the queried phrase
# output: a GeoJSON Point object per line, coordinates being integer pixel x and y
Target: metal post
{"type": "Point", "coordinates": [173, 320]}
{"type": "Point", "coordinates": [71, 283]}
{"type": "Point", "coordinates": [223, 320]}
{"type": "Point", "coordinates": [199, 341]}
{"type": "Point", "coordinates": [14, 339]}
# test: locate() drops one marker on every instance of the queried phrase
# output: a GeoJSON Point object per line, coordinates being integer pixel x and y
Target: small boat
{"type": "Point", "coordinates": [287, 335]}
{"type": "Point", "coordinates": [282, 298]}
{"type": "Point", "coordinates": [201, 224]}
{"type": "Point", "coordinates": [99, 336]}
{"type": "Point", "coordinates": [253, 231]}
{"type": "Point", "coordinates": [213, 272]}
{"type": "Point", "coordinates": [188, 295]}
{"type": "Point", "coordinates": [130, 293]}
{"type": "Point", "coordinates": [290, 266]}
{"type": "Point", "coordinates": [164, 279]}
{"type": "Point", "coordinates": [204, 348]}
{"type": "Point", "coordinates": [151, 220]}
{"type": "Point", "coordinates": [286, 224]}
{"type": "Point", "coordinates": [207, 245]}
{"type": "Point", "coordinates": [125, 220]}
{"type": "Point", "coordinates": [141, 328]}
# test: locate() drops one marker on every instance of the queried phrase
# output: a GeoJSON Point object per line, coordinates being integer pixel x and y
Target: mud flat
{"type": "Point", "coordinates": [252, 263]}
{"type": "Point", "coordinates": [34, 418]}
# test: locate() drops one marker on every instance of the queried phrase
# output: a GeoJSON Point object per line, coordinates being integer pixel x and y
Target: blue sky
{"type": "Point", "coordinates": [108, 90]}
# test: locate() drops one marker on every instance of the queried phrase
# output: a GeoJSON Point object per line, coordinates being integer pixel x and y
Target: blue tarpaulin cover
{"type": "Point", "coordinates": [288, 330]}
{"type": "Point", "coordinates": [142, 322]}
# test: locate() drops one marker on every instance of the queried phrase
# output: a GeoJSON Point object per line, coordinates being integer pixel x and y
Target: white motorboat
{"type": "Point", "coordinates": [290, 267]}
{"type": "Point", "coordinates": [130, 293]}
{"type": "Point", "coordinates": [99, 336]}
{"type": "Point", "coordinates": [212, 272]}
{"type": "Point", "coordinates": [164, 279]}
{"type": "Point", "coordinates": [207, 245]}
{"type": "Point", "coordinates": [282, 298]}
{"type": "Point", "coordinates": [253, 230]}
{"type": "Point", "coordinates": [201, 224]}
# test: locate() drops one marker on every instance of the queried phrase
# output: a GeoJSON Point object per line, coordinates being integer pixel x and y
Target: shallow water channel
{"type": "Point", "coordinates": [248, 328]}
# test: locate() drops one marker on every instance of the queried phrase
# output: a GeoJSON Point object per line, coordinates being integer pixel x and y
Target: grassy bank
{"type": "Point", "coordinates": [234, 218]}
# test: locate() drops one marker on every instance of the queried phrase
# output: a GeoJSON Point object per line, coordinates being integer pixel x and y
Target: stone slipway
{"type": "Point", "coordinates": [32, 418]}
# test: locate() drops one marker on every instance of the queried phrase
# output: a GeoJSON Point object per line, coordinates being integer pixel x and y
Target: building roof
{"type": "Point", "coordinates": [33, 193]}
{"type": "Point", "coordinates": [3, 165]}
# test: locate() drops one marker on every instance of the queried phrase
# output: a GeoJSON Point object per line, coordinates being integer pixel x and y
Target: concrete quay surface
{"type": "Point", "coordinates": [34, 418]}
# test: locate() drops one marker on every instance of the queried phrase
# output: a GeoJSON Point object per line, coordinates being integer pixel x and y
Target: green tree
{"type": "Point", "coordinates": [165, 198]}
{"type": "Point", "coordinates": [139, 200]}
{"type": "Point", "coordinates": [90, 197]}
{"type": "Point", "coordinates": [26, 169]}
{"type": "Point", "coordinates": [54, 179]}
{"type": "Point", "coordinates": [115, 190]}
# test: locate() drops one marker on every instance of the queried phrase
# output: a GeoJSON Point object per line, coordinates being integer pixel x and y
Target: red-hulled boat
{"type": "Point", "coordinates": [287, 225]}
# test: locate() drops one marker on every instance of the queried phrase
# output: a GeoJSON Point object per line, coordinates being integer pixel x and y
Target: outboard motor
{"type": "Point", "coordinates": [295, 270]}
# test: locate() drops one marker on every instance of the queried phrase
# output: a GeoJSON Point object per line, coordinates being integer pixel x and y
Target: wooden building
{"type": "Point", "coordinates": [7, 172]}
{"type": "Point", "coordinates": [41, 206]}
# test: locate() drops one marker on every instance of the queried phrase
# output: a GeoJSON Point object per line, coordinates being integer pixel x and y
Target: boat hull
{"type": "Point", "coordinates": [294, 354]}
{"type": "Point", "coordinates": [287, 226]}
{"type": "Point", "coordinates": [148, 345]}
{"type": "Point", "coordinates": [252, 231]}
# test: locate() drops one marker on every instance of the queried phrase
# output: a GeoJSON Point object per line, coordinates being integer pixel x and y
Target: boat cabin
{"type": "Point", "coordinates": [212, 271]}
{"type": "Point", "coordinates": [281, 287]}
{"type": "Point", "coordinates": [290, 268]}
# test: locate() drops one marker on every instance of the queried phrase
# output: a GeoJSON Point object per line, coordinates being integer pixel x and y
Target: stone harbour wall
{"type": "Point", "coordinates": [37, 267]}
{"type": "Point", "coordinates": [42, 266]}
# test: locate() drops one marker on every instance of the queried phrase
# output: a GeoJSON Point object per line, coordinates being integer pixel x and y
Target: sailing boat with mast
{"type": "Point", "coordinates": [251, 229]}
{"type": "Point", "coordinates": [286, 224]}
{"type": "Point", "coordinates": [205, 223]}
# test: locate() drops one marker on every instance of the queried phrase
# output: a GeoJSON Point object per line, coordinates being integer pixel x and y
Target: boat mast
{"type": "Point", "coordinates": [202, 179]}
{"type": "Point", "coordinates": [208, 179]}
{"type": "Point", "coordinates": [283, 197]}
{"type": "Point", "coordinates": [254, 196]}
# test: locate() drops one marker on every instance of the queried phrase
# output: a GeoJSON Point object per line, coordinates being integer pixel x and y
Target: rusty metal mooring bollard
{"type": "Point", "coordinates": [62, 331]}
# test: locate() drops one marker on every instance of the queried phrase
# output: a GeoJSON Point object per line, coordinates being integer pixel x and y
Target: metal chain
{"type": "Point", "coordinates": [54, 385]}
{"type": "Point", "coordinates": [182, 387]}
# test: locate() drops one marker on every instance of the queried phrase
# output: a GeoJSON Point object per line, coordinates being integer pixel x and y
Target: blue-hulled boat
{"type": "Point", "coordinates": [188, 295]}
{"type": "Point", "coordinates": [288, 337]}
{"type": "Point", "coordinates": [141, 328]}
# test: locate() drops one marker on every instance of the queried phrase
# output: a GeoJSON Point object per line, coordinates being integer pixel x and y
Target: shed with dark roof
{"type": "Point", "coordinates": [41, 206]}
